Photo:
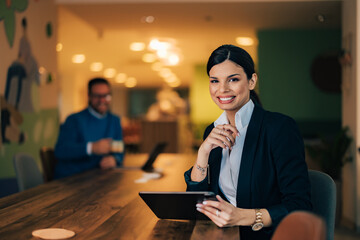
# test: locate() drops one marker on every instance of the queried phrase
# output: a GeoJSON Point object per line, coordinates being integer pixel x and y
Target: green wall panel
{"type": "Point", "coordinates": [285, 84]}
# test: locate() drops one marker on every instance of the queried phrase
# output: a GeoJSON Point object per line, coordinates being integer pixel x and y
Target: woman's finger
{"type": "Point", "coordinates": [211, 213]}
{"type": "Point", "coordinates": [228, 128]}
{"type": "Point", "coordinates": [226, 138]}
{"type": "Point", "coordinates": [220, 199]}
{"type": "Point", "coordinates": [227, 132]}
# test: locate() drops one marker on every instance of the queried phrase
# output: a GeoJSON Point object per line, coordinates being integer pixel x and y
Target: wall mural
{"type": "Point", "coordinates": [28, 98]}
{"type": "Point", "coordinates": [11, 118]}
{"type": "Point", "coordinates": [22, 83]}
{"type": "Point", "coordinates": [7, 15]}
{"type": "Point", "coordinates": [20, 103]}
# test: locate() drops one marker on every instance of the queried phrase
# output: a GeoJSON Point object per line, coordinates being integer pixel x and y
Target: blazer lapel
{"type": "Point", "coordinates": [215, 164]}
{"type": "Point", "coordinates": [243, 196]}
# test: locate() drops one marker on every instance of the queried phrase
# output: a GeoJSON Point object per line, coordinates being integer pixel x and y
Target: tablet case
{"type": "Point", "coordinates": [148, 165]}
{"type": "Point", "coordinates": [176, 205]}
{"type": "Point", "coordinates": [159, 148]}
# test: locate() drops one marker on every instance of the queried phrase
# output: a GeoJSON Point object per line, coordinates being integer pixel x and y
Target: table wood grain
{"type": "Point", "coordinates": [106, 205]}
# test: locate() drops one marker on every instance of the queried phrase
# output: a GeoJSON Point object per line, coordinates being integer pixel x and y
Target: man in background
{"type": "Point", "coordinates": [91, 138]}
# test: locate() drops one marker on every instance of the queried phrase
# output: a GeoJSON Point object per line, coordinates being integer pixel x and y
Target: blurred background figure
{"type": "Point", "coordinates": [169, 105]}
{"type": "Point", "coordinates": [91, 138]}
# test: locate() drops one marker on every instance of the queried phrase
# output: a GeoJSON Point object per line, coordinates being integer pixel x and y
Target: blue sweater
{"type": "Point", "coordinates": [79, 129]}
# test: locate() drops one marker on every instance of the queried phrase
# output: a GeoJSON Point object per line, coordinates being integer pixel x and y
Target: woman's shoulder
{"type": "Point", "coordinates": [273, 119]}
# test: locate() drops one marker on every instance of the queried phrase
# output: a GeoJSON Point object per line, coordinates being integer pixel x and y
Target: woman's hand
{"type": "Point", "coordinates": [221, 136]}
{"type": "Point", "coordinates": [224, 214]}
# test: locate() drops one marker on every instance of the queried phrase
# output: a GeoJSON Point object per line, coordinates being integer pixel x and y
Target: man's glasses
{"type": "Point", "coordinates": [100, 96]}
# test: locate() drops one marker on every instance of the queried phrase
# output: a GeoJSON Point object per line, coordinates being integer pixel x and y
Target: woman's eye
{"type": "Point", "coordinates": [233, 79]}
{"type": "Point", "coordinates": [214, 81]}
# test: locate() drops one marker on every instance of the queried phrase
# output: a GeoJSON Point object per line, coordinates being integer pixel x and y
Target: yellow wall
{"type": "Point", "coordinates": [203, 109]}
{"type": "Point", "coordinates": [73, 84]}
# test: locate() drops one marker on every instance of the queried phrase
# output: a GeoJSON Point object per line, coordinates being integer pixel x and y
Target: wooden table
{"type": "Point", "coordinates": [105, 205]}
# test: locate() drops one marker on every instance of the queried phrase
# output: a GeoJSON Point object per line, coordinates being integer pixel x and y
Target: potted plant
{"type": "Point", "coordinates": [331, 153]}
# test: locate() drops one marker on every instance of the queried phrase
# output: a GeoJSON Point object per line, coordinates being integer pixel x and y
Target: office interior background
{"type": "Point", "coordinates": [154, 53]}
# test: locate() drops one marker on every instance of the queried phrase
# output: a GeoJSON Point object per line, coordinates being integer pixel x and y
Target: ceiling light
{"type": "Point", "coordinates": [120, 78]}
{"type": "Point", "coordinates": [157, 45]}
{"type": "Point", "coordinates": [59, 47]}
{"type": "Point", "coordinates": [157, 66]}
{"type": "Point", "coordinates": [162, 53]}
{"type": "Point", "coordinates": [171, 79]}
{"type": "Point", "coordinates": [130, 82]}
{"type": "Point", "coordinates": [148, 19]}
{"type": "Point", "coordinates": [245, 41]}
{"type": "Point", "coordinates": [137, 46]}
{"type": "Point", "coordinates": [165, 72]}
{"type": "Point", "coordinates": [78, 58]}
{"type": "Point", "coordinates": [173, 59]}
{"type": "Point", "coordinates": [154, 44]}
{"type": "Point", "coordinates": [149, 57]}
{"type": "Point", "coordinates": [109, 72]}
{"type": "Point", "coordinates": [166, 51]}
{"type": "Point", "coordinates": [174, 84]}
{"type": "Point", "coordinates": [96, 67]}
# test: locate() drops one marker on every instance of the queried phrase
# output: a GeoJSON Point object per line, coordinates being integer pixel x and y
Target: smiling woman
{"type": "Point", "coordinates": [251, 158]}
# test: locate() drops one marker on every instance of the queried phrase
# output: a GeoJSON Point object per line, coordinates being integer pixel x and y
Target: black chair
{"type": "Point", "coordinates": [323, 198]}
{"type": "Point", "coordinates": [48, 162]}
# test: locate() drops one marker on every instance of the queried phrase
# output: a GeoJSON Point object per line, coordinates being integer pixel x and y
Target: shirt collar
{"type": "Point", "coordinates": [242, 117]}
{"type": "Point", "coordinates": [96, 114]}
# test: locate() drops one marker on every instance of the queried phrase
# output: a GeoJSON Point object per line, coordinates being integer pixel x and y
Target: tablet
{"type": "Point", "coordinates": [155, 152]}
{"type": "Point", "coordinates": [176, 205]}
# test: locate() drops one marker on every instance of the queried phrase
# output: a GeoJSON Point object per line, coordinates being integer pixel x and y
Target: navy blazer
{"type": "Point", "coordinates": [273, 172]}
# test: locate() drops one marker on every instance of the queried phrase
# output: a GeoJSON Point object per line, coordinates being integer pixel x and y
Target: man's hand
{"type": "Point", "coordinates": [108, 162]}
{"type": "Point", "coordinates": [103, 146]}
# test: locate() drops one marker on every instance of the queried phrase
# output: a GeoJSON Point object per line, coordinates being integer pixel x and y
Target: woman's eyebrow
{"type": "Point", "coordinates": [232, 75]}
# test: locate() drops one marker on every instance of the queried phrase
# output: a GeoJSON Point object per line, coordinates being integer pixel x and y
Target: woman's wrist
{"type": "Point", "coordinates": [249, 217]}
{"type": "Point", "coordinates": [265, 217]}
{"type": "Point", "coordinates": [203, 155]}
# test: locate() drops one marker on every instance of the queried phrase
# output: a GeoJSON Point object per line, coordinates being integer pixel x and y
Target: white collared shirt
{"type": "Point", "coordinates": [96, 114]}
{"type": "Point", "coordinates": [230, 164]}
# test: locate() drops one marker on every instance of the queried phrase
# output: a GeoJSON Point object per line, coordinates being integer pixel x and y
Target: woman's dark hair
{"type": "Point", "coordinates": [237, 55]}
{"type": "Point", "coordinates": [95, 81]}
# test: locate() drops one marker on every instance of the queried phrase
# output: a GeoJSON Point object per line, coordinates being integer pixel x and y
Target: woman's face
{"type": "Point", "coordinates": [229, 86]}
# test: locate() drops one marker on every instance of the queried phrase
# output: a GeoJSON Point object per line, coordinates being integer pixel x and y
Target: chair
{"type": "Point", "coordinates": [300, 225]}
{"type": "Point", "coordinates": [323, 198]}
{"type": "Point", "coordinates": [48, 162]}
{"type": "Point", "coordinates": [27, 172]}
